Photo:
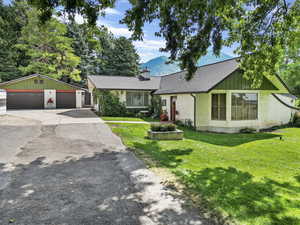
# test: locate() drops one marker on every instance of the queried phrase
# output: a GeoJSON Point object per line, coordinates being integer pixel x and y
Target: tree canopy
{"type": "Point", "coordinates": [59, 48]}
{"type": "Point", "coordinates": [49, 49]}
{"type": "Point", "coordinates": [259, 28]}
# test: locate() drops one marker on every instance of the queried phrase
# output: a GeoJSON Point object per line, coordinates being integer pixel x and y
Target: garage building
{"type": "Point", "coordinates": [42, 92]}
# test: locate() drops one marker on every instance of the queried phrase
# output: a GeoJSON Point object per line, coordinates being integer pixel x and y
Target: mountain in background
{"type": "Point", "coordinates": [158, 66]}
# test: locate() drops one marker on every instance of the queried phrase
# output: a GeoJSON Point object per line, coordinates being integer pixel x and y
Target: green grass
{"type": "Point", "coordinates": [252, 178]}
{"type": "Point", "coordinates": [111, 118]}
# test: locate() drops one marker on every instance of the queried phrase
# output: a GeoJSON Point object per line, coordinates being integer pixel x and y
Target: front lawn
{"type": "Point", "coordinates": [252, 178]}
{"type": "Point", "coordinates": [111, 118]}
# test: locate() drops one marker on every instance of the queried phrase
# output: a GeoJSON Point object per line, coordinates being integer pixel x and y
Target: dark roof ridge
{"type": "Point", "coordinates": [203, 66]}
{"type": "Point", "coordinates": [119, 76]}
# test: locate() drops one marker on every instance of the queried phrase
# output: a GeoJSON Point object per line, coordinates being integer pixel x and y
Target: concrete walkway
{"type": "Point", "coordinates": [66, 167]}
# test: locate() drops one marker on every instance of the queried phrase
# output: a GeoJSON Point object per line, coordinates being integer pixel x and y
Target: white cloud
{"type": "Point", "coordinates": [150, 44]}
{"type": "Point", "coordinates": [111, 11]}
{"type": "Point", "coordinates": [120, 31]}
{"type": "Point", "coordinates": [148, 49]}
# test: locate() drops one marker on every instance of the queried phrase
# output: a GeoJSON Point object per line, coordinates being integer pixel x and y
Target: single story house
{"type": "Point", "coordinates": [218, 98]}
{"type": "Point", "coordinates": [42, 92]}
{"type": "Point", "coordinates": [135, 92]}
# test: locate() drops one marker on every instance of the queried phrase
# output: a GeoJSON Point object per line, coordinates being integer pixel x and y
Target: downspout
{"type": "Point", "coordinates": [195, 110]}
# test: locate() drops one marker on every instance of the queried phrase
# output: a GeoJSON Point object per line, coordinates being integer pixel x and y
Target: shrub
{"type": "Point", "coordinates": [171, 127]}
{"type": "Point", "coordinates": [247, 130]}
{"type": "Point", "coordinates": [109, 104]}
{"type": "Point", "coordinates": [155, 108]}
{"type": "Point", "coordinates": [297, 116]}
{"type": "Point", "coordinates": [155, 127]}
{"type": "Point", "coordinates": [179, 123]}
{"type": "Point", "coordinates": [163, 127]}
{"type": "Point", "coordinates": [297, 122]}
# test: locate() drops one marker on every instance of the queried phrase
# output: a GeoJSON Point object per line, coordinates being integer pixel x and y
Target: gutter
{"type": "Point", "coordinates": [282, 102]}
{"type": "Point", "coordinates": [195, 110]}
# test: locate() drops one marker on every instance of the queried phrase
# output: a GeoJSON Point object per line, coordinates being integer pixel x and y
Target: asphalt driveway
{"type": "Point", "coordinates": [66, 167]}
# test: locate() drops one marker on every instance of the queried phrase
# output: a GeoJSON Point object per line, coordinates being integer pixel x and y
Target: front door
{"type": "Point", "coordinates": [173, 108]}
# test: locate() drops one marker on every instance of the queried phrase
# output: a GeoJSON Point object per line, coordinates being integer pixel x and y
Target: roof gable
{"type": "Point", "coordinates": [29, 82]}
{"type": "Point", "coordinates": [236, 81]}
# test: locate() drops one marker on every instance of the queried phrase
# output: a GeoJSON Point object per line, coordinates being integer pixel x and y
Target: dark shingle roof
{"type": "Point", "coordinates": [124, 83]}
{"type": "Point", "coordinates": [205, 78]}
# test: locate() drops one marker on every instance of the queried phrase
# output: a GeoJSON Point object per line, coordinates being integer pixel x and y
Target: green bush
{"type": "Point", "coordinates": [110, 105]}
{"type": "Point", "coordinates": [155, 127]}
{"type": "Point", "coordinates": [171, 127]}
{"type": "Point", "coordinates": [297, 116]}
{"type": "Point", "coordinates": [247, 130]}
{"type": "Point", "coordinates": [179, 123]}
{"type": "Point", "coordinates": [297, 122]}
{"type": "Point", "coordinates": [163, 127]}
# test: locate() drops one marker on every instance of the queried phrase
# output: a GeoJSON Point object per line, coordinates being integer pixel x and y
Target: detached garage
{"type": "Point", "coordinates": [41, 92]}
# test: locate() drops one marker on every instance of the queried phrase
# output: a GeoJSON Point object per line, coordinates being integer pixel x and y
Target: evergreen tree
{"type": "Point", "coordinates": [102, 53]}
{"type": "Point", "coordinates": [12, 19]}
{"type": "Point", "coordinates": [87, 47]}
{"type": "Point", "coordinates": [49, 49]}
{"type": "Point", "coordinates": [122, 58]}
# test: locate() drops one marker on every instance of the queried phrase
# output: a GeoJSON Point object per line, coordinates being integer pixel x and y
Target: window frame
{"type": "Point", "coordinates": [138, 106]}
{"type": "Point", "coordinates": [257, 106]}
{"type": "Point", "coordinates": [218, 107]}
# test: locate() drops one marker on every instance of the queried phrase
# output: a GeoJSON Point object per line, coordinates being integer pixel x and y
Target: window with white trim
{"type": "Point", "coordinates": [137, 99]}
{"type": "Point", "coordinates": [244, 106]}
{"type": "Point", "coordinates": [218, 107]}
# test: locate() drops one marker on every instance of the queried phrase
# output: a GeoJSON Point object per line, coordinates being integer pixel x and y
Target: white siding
{"type": "Point", "coordinates": [184, 106]}
{"type": "Point", "coordinates": [49, 94]}
{"type": "Point", "coordinates": [2, 102]}
{"type": "Point", "coordinates": [270, 113]}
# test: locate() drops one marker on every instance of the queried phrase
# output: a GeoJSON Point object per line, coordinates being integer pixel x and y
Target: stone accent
{"type": "Point", "coordinates": [165, 135]}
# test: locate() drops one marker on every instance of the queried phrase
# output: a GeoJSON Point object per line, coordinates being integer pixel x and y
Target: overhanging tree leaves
{"type": "Point", "coordinates": [89, 9]}
{"type": "Point", "coordinates": [290, 68]}
{"type": "Point", "coordinates": [190, 27]}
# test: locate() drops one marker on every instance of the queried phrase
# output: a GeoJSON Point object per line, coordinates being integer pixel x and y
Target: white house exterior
{"type": "Point", "coordinates": [218, 98]}
{"type": "Point", "coordinates": [135, 92]}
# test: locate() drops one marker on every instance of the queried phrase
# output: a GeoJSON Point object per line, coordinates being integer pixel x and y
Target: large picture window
{"type": "Point", "coordinates": [137, 99]}
{"type": "Point", "coordinates": [218, 111]}
{"type": "Point", "coordinates": [244, 106]}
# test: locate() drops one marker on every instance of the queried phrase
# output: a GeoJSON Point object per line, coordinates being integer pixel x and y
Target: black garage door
{"type": "Point", "coordinates": [65, 100]}
{"type": "Point", "coordinates": [25, 100]}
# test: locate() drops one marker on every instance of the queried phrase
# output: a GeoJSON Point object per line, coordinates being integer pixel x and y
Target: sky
{"type": "Point", "coordinates": [149, 47]}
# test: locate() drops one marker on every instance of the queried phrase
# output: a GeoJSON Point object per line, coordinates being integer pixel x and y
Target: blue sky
{"type": "Point", "coordinates": [149, 47]}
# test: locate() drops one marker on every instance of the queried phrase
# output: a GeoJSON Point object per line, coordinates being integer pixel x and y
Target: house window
{"type": "Point", "coordinates": [137, 99]}
{"type": "Point", "coordinates": [36, 81]}
{"type": "Point", "coordinates": [244, 106]}
{"type": "Point", "coordinates": [164, 102]}
{"type": "Point", "coordinates": [41, 82]}
{"type": "Point", "coordinates": [218, 110]}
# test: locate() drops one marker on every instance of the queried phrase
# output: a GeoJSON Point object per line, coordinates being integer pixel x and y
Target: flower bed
{"type": "Point", "coordinates": [165, 132]}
